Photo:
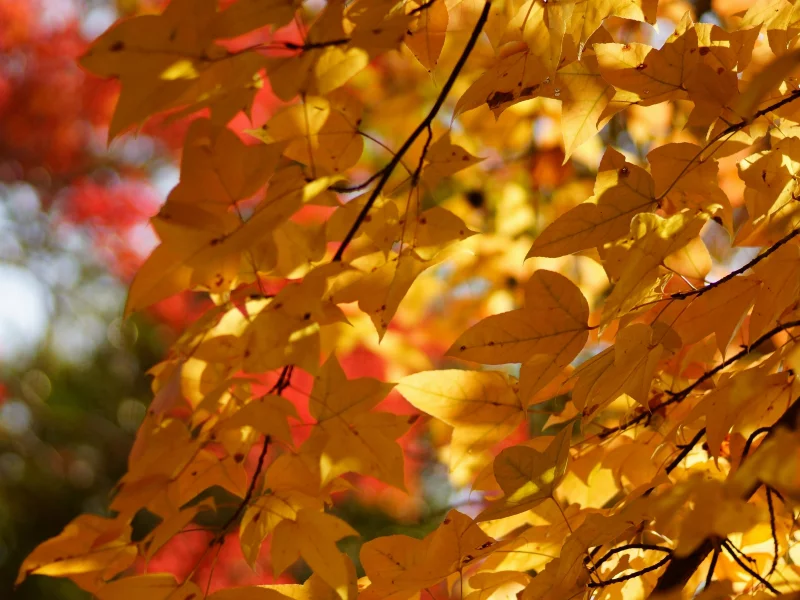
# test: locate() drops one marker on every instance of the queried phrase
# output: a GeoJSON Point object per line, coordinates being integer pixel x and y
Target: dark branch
{"type": "Point", "coordinates": [316, 45]}
{"type": "Point", "coordinates": [624, 548]}
{"type": "Point", "coordinates": [684, 393]}
{"type": "Point", "coordinates": [423, 6]}
{"type": "Point", "coordinates": [750, 441]}
{"type": "Point", "coordinates": [773, 530]}
{"type": "Point", "coordinates": [284, 379]}
{"type": "Point", "coordinates": [685, 449]}
{"type": "Point", "coordinates": [426, 123]}
{"type": "Point", "coordinates": [634, 575]}
{"type": "Point", "coordinates": [727, 131]}
{"type": "Point", "coordinates": [681, 569]}
{"type": "Point", "coordinates": [707, 288]}
{"type": "Point", "coordinates": [712, 566]}
{"type": "Point", "coordinates": [728, 547]}
{"type": "Point", "coordinates": [344, 189]}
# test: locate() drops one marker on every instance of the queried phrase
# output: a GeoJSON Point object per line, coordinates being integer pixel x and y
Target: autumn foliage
{"type": "Point", "coordinates": [566, 246]}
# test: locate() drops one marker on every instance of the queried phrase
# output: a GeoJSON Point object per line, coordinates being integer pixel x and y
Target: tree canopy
{"type": "Point", "coordinates": [569, 236]}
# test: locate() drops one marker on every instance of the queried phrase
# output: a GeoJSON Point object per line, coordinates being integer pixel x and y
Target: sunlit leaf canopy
{"type": "Point", "coordinates": [536, 213]}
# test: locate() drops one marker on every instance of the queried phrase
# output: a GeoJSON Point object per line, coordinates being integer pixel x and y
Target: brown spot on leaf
{"type": "Point", "coordinates": [624, 172]}
{"type": "Point", "coordinates": [117, 46]}
{"type": "Point", "coordinates": [704, 51]}
{"type": "Point", "coordinates": [528, 91]}
{"type": "Point", "coordinates": [498, 98]}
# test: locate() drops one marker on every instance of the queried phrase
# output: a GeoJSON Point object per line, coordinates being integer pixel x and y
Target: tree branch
{"type": "Point", "coordinates": [283, 382]}
{"type": "Point", "coordinates": [619, 549]}
{"type": "Point", "coordinates": [727, 131]}
{"type": "Point", "coordinates": [730, 550]}
{"type": "Point", "coordinates": [681, 569]}
{"type": "Point", "coordinates": [634, 575]}
{"type": "Point", "coordinates": [707, 288]}
{"type": "Point", "coordinates": [684, 393]}
{"type": "Point", "coordinates": [426, 123]}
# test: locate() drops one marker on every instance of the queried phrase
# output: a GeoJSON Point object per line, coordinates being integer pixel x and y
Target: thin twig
{"type": "Point", "coordinates": [626, 547]}
{"type": "Point", "coordinates": [634, 575]}
{"type": "Point", "coordinates": [750, 264]}
{"type": "Point", "coordinates": [712, 566]}
{"type": "Point", "coordinates": [750, 441]}
{"type": "Point", "coordinates": [344, 189]}
{"type": "Point", "coordinates": [417, 132]}
{"type": "Point", "coordinates": [284, 379]}
{"type": "Point", "coordinates": [729, 549]}
{"type": "Point", "coordinates": [774, 532]}
{"type": "Point", "coordinates": [684, 393]}
{"type": "Point", "coordinates": [727, 131]}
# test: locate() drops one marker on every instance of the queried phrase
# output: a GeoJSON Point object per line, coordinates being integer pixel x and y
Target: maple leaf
{"type": "Point", "coordinates": [313, 535]}
{"type": "Point", "coordinates": [481, 407]}
{"type": "Point", "coordinates": [355, 438]}
{"type": "Point", "coordinates": [399, 566]}
{"type": "Point", "coordinates": [555, 316]}
{"type": "Point", "coordinates": [93, 549]}
{"type": "Point", "coordinates": [621, 191]}
{"type": "Point", "coordinates": [527, 476]}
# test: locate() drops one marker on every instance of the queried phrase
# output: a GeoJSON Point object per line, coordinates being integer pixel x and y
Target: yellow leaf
{"type": "Point", "coordinates": [622, 190]}
{"type": "Point", "coordinates": [655, 239]}
{"type": "Point", "coordinates": [319, 132]}
{"type": "Point", "coordinates": [427, 38]}
{"type": "Point", "coordinates": [444, 159]}
{"type": "Point", "coordinates": [512, 79]}
{"type": "Point", "coordinates": [172, 525]}
{"type": "Point", "coordinates": [771, 177]}
{"type": "Point", "coordinates": [402, 565]}
{"type": "Point", "coordinates": [88, 545]}
{"type": "Point", "coordinates": [313, 536]}
{"type": "Point", "coordinates": [246, 15]}
{"type": "Point", "coordinates": [385, 283]}
{"type": "Point", "coordinates": [156, 57]}
{"type": "Point", "coordinates": [647, 75]}
{"type": "Point", "coordinates": [683, 178]}
{"type": "Point", "coordinates": [190, 256]}
{"type": "Point", "coordinates": [719, 311]}
{"type": "Point", "coordinates": [527, 476]}
{"type": "Point", "coordinates": [554, 321]}
{"type": "Point", "coordinates": [501, 585]}
{"type": "Point", "coordinates": [588, 16]}
{"type": "Point", "coordinates": [353, 437]}
{"type": "Point", "coordinates": [219, 169]}
{"type": "Point", "coordinates": [542, 26]}
{"type": "Point", "coordinates": [325, 64]}
{"type": "Point", "coordinates": [584, 97]}
{"type": "Point", "coordinates": [153, 586]}
{"type": "Point", "coordinates": [714, 512]}
{"type": "Point", "coordinates": [780, 286]}
{"type": "Point", "coordinates": [267, 415]}
{"type": "Point", "coordinates": [766, 82]}
{"type": "Point", "coordinates": [481, 407]}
